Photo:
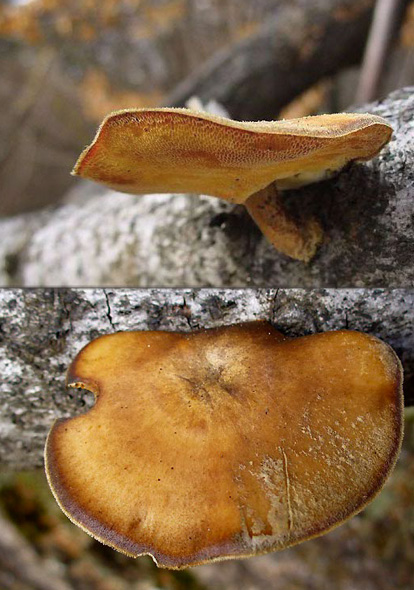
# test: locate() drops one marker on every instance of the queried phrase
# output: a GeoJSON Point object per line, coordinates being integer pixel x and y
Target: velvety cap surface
{"type": "Point", "coordinates": [225, 442]}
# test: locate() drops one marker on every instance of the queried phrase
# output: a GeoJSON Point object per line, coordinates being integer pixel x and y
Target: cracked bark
{"type": "Point", "coordinates": [108, 308]}
{"type": "Point", "coordinates": [103, 238]}
{"type": "Point", "coordinates": [41, 331]}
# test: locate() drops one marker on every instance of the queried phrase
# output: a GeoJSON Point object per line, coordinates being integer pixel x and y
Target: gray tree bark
{"type": "Point", "coordinates": [102, 238]}
{"type": "Point", "coordinates": [42, 330]}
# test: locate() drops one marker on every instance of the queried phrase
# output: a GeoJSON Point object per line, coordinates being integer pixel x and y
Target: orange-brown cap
{"type": "Point", "coordinates": [178, 150]}
{"type": "Point", "coordinates": [227, 442]}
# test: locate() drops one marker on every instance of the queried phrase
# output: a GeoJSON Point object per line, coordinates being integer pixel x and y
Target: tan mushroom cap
{"type": "Point", "coordinates": [178, 150]}
{"type": "Point", "coordinates": [226, 442]}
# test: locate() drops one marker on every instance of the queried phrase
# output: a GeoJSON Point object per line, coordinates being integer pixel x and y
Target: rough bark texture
{"type": "Point", "coordinates": [301, 43]}
{"type": "Point", "coordinates": [42, 330]}
{"type": "Point", "coordinates": [102, 238]}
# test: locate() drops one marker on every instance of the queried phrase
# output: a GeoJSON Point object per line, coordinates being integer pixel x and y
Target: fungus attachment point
{"type": "Point", "coordinates": [179, 150]}
{"type": "Point", "coordinates": [227, 442]}
{"type": "Point", "coordinates": [299, 242]}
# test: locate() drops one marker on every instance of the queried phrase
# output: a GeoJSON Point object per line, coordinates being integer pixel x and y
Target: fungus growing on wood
{"type": "Point", "coordinates": [226, 442]}
{"type": "Point", "coordinates": [179, 150]}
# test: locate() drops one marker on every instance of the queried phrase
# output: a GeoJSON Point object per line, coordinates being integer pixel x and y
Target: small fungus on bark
{"type": "Point", "coordinates": [180, 150]}
{"type": "Point", "coordinates": [227, 442]}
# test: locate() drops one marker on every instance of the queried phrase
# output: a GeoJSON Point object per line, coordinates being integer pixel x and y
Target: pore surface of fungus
{"type": "Point", "coordinates": [179, 150]}
{"type": "Point", "coordinates": [226, 442]}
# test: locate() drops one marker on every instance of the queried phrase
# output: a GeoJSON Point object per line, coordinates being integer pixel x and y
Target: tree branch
{"type": "Point", "coordinates": [385, 21]}
{"type": "Point", "coordinates": [102, 238]}
{"type": "Point", "coordinates": [42, 330]}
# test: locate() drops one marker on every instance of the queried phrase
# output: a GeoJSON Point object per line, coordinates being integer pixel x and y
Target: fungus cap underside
{"type": "Point", "coordinates": [143, 151]}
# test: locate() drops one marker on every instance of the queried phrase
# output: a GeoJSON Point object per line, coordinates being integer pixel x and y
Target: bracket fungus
{"type": "Point", "coordinates": [180, 150]}
{"type": "Point", "coordinates": [227, 442]}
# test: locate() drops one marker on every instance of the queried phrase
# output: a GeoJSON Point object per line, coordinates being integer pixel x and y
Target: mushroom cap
{"type": "Point", "coordinates": [225, 442]}
{"type": "Point", "coordinates": [178, 150]}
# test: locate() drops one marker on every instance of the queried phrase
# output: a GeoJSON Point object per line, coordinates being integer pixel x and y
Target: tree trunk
{"type": "Point", "coordinates": [42, 330]}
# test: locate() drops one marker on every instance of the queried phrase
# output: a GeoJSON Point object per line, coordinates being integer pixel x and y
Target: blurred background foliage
{"type": "Point", "coordinates": [64, 64]}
